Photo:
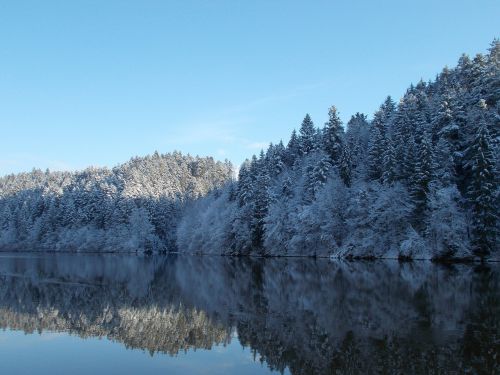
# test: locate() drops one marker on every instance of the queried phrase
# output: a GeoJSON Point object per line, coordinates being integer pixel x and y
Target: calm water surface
{"type": "Point", "coordinates": [113, 314]}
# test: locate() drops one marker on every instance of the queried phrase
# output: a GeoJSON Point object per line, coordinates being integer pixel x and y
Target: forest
{"type": "Point", "coordinates": [418, 180]}
{"type": "Point", "coordinates": [133, 207]}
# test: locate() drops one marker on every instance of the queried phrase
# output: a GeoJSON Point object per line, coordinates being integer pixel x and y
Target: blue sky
{"type": "Point", "coordinates": [97, 82]}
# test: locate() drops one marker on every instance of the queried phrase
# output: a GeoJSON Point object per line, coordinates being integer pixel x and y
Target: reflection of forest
{"type": "Point", "coordinates": [311, 316]}
{"type": "Point", "coordinates": [38, 294]}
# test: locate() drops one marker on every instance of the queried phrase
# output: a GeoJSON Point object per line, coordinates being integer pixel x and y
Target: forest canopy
{"type": "Point", "coordinates": [418, 180]}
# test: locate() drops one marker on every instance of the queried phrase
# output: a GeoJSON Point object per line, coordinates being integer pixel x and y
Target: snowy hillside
{"type": "Point", "coordinates": [133, 207]}
{"type": "Point", "coordinates": [419, 180]}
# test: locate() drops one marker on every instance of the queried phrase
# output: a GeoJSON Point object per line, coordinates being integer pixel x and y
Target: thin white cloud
{"type": "Point", "coordinates": [275, 97]}
{"type": "Point", "coordinates": [208, 131]}
{"type": "Point", "coordinates": [223, 126]}
{"type": "Point", "coordinates": [257, 145]}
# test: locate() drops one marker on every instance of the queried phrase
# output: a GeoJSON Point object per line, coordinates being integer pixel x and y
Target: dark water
{"type": "Point", "coordinates": [81, 314]}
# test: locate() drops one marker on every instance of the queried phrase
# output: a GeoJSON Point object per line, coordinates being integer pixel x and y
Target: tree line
{"type": "Point", "coordinates": [418, 180]}
{"type": "Point", "coordinates": [132, 207]}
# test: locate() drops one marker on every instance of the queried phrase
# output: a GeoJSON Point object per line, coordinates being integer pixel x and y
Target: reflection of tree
{"type": "Point", "coordinates": [103, 302]}
{"type": "Point", "coordinates": [156, 330]}
{"type": "Point", "coordinates": [480, 348]}
{"type": "Point", "coordinates": [310, 316]}
{"type": "Point", "coordinates": [322, 317]}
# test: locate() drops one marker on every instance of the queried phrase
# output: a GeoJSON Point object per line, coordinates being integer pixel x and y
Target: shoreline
{"type": "Point", "coordinates": [330, 258]}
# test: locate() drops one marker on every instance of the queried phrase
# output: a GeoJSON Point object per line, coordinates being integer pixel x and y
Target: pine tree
{"type": "Point", "coordinates": [423, 174]}
{"type": "Point", "coordinates": [274, 157]}
{"type": "Point", "coordinates": [245, 184]}
{"type": "Point", "coordinates": [261, 203]}
{"type": "Point", "coordinates": [382, 124]}
{"type": "Point", "coordinates": [345, 165]}
{"type": "Point", "coordinates": [421, 126]}
{"type": "Point", "coordinates": [292, 149]}
{"type": "Point", "coordinates": [307, 136]}
{"type": "Point", "coordinates": [399, 145]}
{"type": "Point", "coordinates": [287, 187]}
{"type": "Point", "coordinates": [375, 153]}
{"type": "Point", "coordinates": [442, 123]}
{"type": "Point", "coordinates": [357, 138]}
{"type": "Point", "coordinates": [444, 163]}
{"type": "Point", "coordinates": [389, 164]}
{"type": "Point", "coordinates": [481, 192]}
{"type": "Point", "coordinates": [384, 117]}
{"type": "Point", "coordinates": [333, 134]}
{"type": "Point", "coordinates": [491, 80]}
{"type": "Point", "coordinates": [316, 177]}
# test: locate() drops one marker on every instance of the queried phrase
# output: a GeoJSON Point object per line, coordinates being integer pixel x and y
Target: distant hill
{"type": "Point", "coordinates": [132, 207]}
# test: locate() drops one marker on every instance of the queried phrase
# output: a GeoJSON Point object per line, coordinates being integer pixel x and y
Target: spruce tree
{"type": "Point", "coordinates": [261, 202]}
{"type": "Point", "coordinates": [345, 165]}
{"type": "Point", "coordinates": [307, 136]}
{"type": "Point", "coordinates": [245, 184]}
{"type": "Point", "coordinates": [357, 138]}
{"type": "Point", "coordinates": [376, 147]}
{"type": "Point", "coordinates": [492, 75]}
{"type": "Point", "coordinates": [333, 134]}
{"type": "Point", "coordinates": [444, 162]}
{"type": "Point", "coordinates": [409, 158]}
{"type": "Point", "coordinates": [292, 149]}
{"type": "Point", "coordinates": [389, 164]}
{"type": "Point", "coordinates": [481, 191]}
{"type": "Point", "coordinates": [384, 117]}
{"type": "Point", "coordinates": [317, 175]}
{"type": "Point", "coordinates": [275, 156]}
{"type": "Point", "coordinates": [423, 174]}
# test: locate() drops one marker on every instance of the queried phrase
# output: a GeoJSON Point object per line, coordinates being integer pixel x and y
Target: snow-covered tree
{"type": "Point", "coordinates": [307, 136]}
{"type": "Point", "coordinates": [333, 136]}
{"type": "Point", "coordinates": [376, 148]}
{"type": "Point", "coordinates": [423, 175]}
{"type": "Point", "coordinates": [482, 192]}
{"type": "Point", "coordinates": [419, 179]}
{"type": "Point", "coordinates": [345, 165]}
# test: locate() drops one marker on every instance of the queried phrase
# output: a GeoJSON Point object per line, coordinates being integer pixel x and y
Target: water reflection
{"type": "Point", "coordinates": [312, 317]}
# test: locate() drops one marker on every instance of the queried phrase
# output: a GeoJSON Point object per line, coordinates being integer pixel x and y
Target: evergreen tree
{"type": "Point", "coordinates": [389, 164]}
{"type": "Point", "coordinates": [275, 159]}
{"type": "Point", "coordinates": [245, 184]}
{"type": "Point", "coordinates": [345, 166]}
{"type": "Point", "coordinates": [287, 187]}
{"type": "Point", "coordinates": [376, 148]}
{"type": "Point", "coordinates": [399, 146]}
{"type": "Point", "coordinates": [426, 156]}
{"type": "Point", "coordinates": [292, 149]}
{"type": "Point", "coordinates": [357, 138]}
{"type": "Point", "coordinates": [384, 117]}
{"type": "Point", "coordinates": [491, 81]}
{"type": "Point", "coordinates": [333, 135]}
{"type": "Point", "coordinates": [261, 203]}
{"type": "Point", "coordinates": [444, 163]}
{"type": "Point", "coordinates": [423, 175]}
{"type": "Point", "coordinates": [382, 125]}
{"type": "Point", "coordinates": [317, 174]}
{"type": "Point", "coordinates": [442, 122]}
{"type": "Point", "coordinates": [409, 160]}
{"type": "Point", "coordinates": [307, 136]}
{"type": "Point", "coordinates": [482, 193]}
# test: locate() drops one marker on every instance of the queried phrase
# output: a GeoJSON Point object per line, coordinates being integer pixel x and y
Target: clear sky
{"type": "Point", "coordinates": [97, 82]}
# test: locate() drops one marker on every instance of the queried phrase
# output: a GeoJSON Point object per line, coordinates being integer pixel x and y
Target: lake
{"type": "Point", "coordinates": [126, 314]}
